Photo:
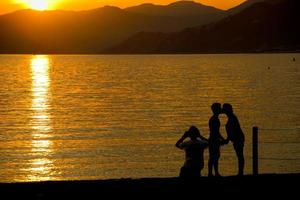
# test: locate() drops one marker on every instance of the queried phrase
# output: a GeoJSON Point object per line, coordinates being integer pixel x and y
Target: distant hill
{"type": "Point", "coordinates": [264, 26]}
{"type": "Point", "coordinates": [177, 9]}
{"type": "Point", "coordinates": [29, 31]}
{"type": "Point", "coordinates": [243, 6]}
{"type": "Point", "coordinates": [247, 4]}
{"type": "Point", "coordinates": [186, 12]}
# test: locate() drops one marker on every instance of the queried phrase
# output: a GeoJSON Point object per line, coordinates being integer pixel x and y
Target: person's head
{"type": "Point", "coordinates": [193, 133]}
{"type": "Point", "coordinates": [227, 108]}
{"type": "Point", "coordinates": [216, 108]}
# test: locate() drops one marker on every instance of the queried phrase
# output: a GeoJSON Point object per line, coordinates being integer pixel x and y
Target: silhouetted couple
{"type": "Point", "coordinates": [194, 148]}
{"type": "Point", "coordinates": [234, 134]}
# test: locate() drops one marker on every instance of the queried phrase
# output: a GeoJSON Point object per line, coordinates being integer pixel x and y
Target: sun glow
{"type": "Point", "coordinates": [38, 4]}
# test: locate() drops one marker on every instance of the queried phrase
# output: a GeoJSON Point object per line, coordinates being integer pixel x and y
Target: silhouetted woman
{"type": "Point", "coordinates": [215, 140]}
{"type": "Point", "coordinates": [194, 149]}
{"type": "Point", "coordinates": [235, 135]}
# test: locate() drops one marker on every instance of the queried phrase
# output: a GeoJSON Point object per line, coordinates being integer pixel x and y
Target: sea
{"type": "Point", "coordinates": [91, 117]}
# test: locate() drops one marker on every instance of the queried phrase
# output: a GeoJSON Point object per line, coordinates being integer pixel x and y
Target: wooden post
{"type": "Point", "coordinates": [255, 150]}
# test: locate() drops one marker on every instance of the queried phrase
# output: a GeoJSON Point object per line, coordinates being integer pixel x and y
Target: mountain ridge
{"type": "Point", "coordinates": [261, 27]}
{"type": "Point", "coordinates": [177, 8]}
{"type": "Point", "coordinates": [115, 30]}
{"type": "Point", "coordinates": [89, 31]}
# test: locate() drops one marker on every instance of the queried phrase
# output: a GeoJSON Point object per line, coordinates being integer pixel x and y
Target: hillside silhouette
{"type": "Point", "coordinates": [180, 27]}
{"type": "Point", "coordinates": [176, 9]}
{"type": "Point", "coordinates": [243, 6]}
{"type": "Point", "coordinates": [185, 12]}
{"type": "Point", "coordinates": [30, 31]}
{"type": "Point", "coordinates": [264, 26]}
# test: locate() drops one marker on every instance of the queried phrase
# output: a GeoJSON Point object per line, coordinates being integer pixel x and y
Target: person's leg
{"type": "Point", "coordinates": [241, 161]}
{"type": "Point", "coordinates": [182, 173]}
{"type": "Point", "coordinates": [196, 172]}
{"type": "Point", "coordinates": [210, 167]}
{"type": "Point", "coordinates": [201, 168]}
{"type": "Point", "coordinates": [216, 162]}
{"type": "Point", "coordinates": [239, 150]}
{"type": "Point", "coordinates": [210, 162]}
{"type": "Point", "coordinates": [217, 168]}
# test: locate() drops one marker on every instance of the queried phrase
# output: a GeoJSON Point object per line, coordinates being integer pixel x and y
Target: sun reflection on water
{"type": "Point", "coordinates": [41, 119]}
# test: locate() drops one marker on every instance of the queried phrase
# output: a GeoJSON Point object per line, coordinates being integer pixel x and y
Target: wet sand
{"type": "Point", "coordinates": [271, 185]}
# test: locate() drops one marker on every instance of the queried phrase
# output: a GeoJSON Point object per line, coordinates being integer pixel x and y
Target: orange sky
{"type": "Point", "coordinates": [12, 5]}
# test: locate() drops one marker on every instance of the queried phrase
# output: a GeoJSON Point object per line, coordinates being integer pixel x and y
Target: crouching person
{"type": "Point", "coordinates": [194, 149]}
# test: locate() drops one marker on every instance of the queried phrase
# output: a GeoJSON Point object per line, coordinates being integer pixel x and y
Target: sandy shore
{"type": "Point", "coordinates": [275, 185]}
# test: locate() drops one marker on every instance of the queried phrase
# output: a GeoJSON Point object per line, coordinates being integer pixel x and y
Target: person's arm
{"type": "Point", "coordinates": [180, 141]}
{"type": "Point", "coordinates": [227, 132]}
{"type": "Point", "coordinates": [221, 137]}
{"type": "Point", "coordinates": [203, 138]}
{"type": "Point", "coordinates": [223, 140]}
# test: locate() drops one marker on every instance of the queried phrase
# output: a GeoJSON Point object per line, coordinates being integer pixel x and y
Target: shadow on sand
{"type": "Point", "coordinates": [284, 185]}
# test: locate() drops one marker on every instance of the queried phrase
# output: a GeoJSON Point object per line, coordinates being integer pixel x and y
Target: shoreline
{"type": "Point", "coordinates": [170, 53]}
{"type": "Point", "coordinates": [270, 184]}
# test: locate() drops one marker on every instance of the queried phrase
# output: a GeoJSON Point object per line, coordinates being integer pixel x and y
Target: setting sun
{"type": "Point", "coordinates": [38, 4]}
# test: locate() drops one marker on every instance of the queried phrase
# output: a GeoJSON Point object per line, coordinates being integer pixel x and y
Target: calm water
{"type": "Point", "coordinates": [99, 117]}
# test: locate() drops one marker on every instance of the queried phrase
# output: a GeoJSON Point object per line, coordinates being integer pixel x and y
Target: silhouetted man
{"type": "Point", "coordinates": [215, 140]}
{"type": "Point", "coordinates": [235, 135]}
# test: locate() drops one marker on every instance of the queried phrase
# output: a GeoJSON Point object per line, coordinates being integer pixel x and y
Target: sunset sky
{"type": "Point", "coordinates": [12, 5]}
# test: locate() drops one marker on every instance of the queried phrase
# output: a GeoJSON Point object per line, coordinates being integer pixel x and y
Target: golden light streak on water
{"type": "Point", "coordinates": [41, 119]}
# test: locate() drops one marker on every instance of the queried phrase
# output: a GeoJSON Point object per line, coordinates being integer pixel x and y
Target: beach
{"type": "Point", "coordinates": [277, 185]}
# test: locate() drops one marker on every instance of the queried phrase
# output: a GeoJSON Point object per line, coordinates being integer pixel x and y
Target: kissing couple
{"type": "Point", "coordinates": [195, 146]}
